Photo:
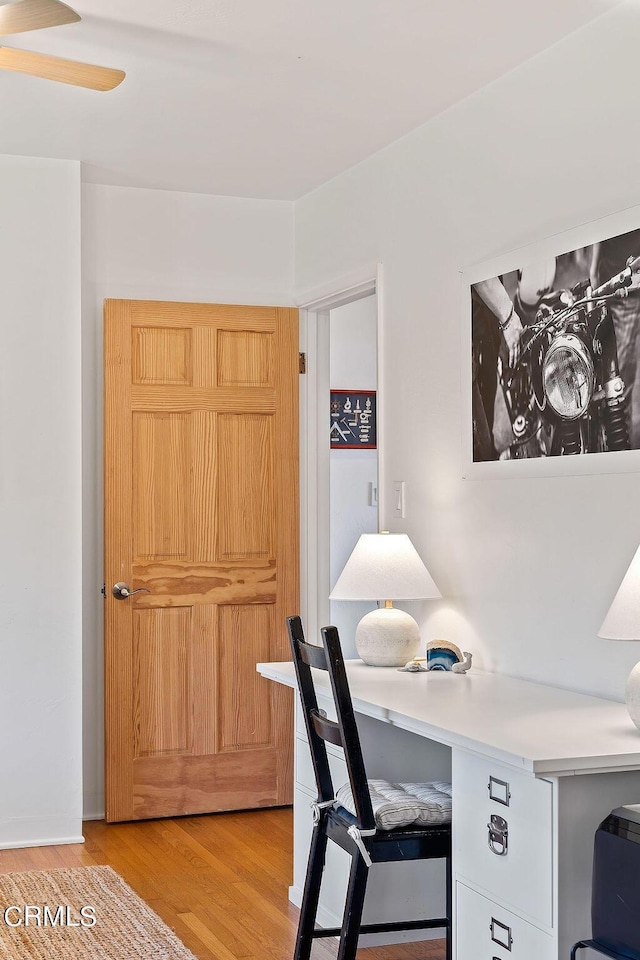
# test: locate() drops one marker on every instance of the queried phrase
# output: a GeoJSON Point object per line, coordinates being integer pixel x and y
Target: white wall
{"type": "Point", "coordinates": [40, 487]}
{"type": "Point", "coordinates": [157, 245]}
{"type": "Point", "coordinates": [352, 365]}
{"type": "Point", "coordinates": [527, 567]}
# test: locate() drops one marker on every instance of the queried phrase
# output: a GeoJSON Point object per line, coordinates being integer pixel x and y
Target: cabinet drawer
{"type": "Point", "coordinates": [486, 931]}
{"type": "Point", "coordinates": [503, 834]}
{"type": "Point", "coordinates": [304, 767]}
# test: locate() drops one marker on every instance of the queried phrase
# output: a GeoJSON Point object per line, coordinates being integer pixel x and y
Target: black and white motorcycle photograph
{"type": "Point", "coordinates": [555, 350]}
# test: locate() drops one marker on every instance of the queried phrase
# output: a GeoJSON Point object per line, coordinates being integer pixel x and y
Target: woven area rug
{"type": "Point", "coordinates": [85, 913]}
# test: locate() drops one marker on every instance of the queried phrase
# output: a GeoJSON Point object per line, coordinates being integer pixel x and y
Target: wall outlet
{"type": "Point", "coordinates": [373, 494]}
{"type": "Point", "coordinates": [398, 499]}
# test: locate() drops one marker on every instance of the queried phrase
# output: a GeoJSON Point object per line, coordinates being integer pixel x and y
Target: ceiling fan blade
{"type": "Point", "coordinates": [55, 68]}
{"type": "Point", "coordinates": [23, 15]}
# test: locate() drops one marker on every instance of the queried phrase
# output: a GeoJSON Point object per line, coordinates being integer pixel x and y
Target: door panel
{"type": "Point", "coordinates": [201, 511]}
{"type": "Point", "coordinates": [244, 717]}
{"type": "Point", "coordinates": [161, 658]}
{"type": "Point", "coordinates": [245, 490]}
{"type": "Point", "coordinates": [161, 486]}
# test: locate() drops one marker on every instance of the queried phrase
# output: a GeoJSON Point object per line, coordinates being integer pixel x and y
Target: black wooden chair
{"type": "Point", "coordinates": [357, 834]}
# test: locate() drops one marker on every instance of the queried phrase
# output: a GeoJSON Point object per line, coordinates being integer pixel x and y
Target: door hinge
{"type": "Point", "coordinates": [302, 362]}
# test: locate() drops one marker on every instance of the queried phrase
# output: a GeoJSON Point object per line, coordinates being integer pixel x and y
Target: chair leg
{"type": "Point", "coordinates": [352, 919]}
{"type": "Point", "coordinates": [577, 946]}
{"type": "Point", "coordinates": [448, 910]}
{"type": "Point", "coordinates": [311, 894]}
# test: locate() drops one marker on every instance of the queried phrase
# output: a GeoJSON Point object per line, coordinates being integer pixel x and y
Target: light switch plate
{"type": "Point", "coordinates": [398, 499]}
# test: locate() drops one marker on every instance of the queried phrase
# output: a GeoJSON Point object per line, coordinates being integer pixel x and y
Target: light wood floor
{"type": "Point", "coordinates": [219, 881]}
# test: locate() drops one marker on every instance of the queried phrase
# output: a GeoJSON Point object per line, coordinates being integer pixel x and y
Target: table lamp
{"type": "Point", "coordinates": [385, 567]}
{"type": "Point", "coordinates": [622, 622]}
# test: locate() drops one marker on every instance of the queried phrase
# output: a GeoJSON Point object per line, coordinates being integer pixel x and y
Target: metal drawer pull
{"type": "Point", "coordinates": [499, 791]}
{"type": "Point", "coordinates": [498, 835]}
{"type": "Point", "coordinates": [501, 934]}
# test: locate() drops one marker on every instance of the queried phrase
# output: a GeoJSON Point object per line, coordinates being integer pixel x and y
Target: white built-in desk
{"type": "Point", "coordinates": [550, 763]}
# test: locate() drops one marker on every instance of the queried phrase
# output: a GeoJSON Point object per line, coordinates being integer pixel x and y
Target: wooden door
{"type": "Point", "coordinates": [201, 511]}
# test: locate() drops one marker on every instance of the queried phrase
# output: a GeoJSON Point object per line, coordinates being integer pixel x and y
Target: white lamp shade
{"type": "Point", "coordinates": [622, 622]}
{"type": "Point", "coordinates": [384, 566]}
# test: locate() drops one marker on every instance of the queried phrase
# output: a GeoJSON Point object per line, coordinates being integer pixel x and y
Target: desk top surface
{"type": "Point", "coordinates": [538, 728]}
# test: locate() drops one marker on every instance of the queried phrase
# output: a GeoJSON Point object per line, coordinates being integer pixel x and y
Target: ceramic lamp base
{"type": "Point", "coordinates": [387, 638]}
{"type": "Point", "coordinates": [632, 695]}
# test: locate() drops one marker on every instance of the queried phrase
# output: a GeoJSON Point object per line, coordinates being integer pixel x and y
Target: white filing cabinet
{"type": "Point", "coordinates": [503, 856]}
{"type": "Point", "coordinates": [523, 882]}
{"type": "Point", "coordinates": [503, 844]}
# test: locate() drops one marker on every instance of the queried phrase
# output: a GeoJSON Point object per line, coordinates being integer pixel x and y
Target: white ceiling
{"type": "Point", "coordinates": [264, 98]}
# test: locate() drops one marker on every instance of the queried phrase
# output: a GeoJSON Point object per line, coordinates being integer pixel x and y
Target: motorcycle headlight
{"type": "Point", "coordinates": [567, 375]}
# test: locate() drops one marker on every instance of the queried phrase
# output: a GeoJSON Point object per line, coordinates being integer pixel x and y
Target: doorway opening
{"type": "Point", "coordinates": [353, 463]}
{"type": "Point", "coordinates": [340, 480]}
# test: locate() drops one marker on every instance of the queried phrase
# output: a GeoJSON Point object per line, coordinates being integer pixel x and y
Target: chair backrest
{"type": "Point", "coordinates": [344, 732]}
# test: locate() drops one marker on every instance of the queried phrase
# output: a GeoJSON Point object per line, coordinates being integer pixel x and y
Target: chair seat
{"type": "Point", "coordinates": [397, 805]}
{"type": "Point", "coordinates": [426, 841]}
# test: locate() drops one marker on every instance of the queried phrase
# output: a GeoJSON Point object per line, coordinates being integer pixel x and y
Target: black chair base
{"type": "Point", "coordinates": [383, 849]}
{"type": "Point", "coordinates": [600, 948]}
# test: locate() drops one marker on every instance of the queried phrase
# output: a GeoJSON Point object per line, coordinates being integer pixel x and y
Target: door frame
{"type": "Point", "coordinates": [315, 307]}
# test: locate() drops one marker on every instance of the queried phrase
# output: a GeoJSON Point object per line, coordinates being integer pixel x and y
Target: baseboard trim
{"type": "Point", "coordinates": [16, 832]}
{"type": "Point", "coordinates": [34, 842]}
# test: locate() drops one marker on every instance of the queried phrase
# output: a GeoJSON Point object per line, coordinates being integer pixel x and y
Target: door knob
{"type": "Point", "coordinates": [121, 591]}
